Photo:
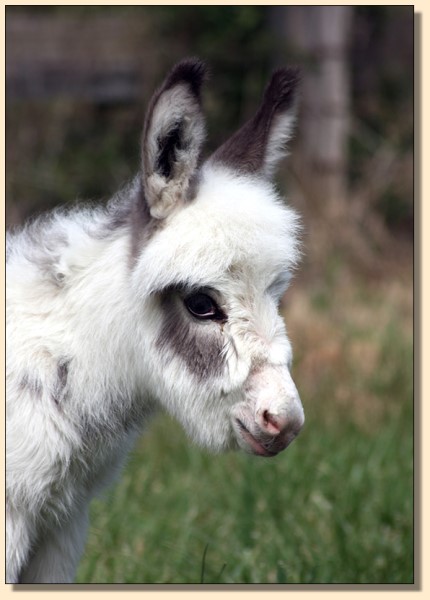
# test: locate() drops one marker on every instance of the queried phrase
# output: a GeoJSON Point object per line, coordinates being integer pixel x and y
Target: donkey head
{"type": "Point", "coordinates": [212, 270]}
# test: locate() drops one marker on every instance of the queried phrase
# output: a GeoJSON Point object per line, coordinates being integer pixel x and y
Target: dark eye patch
{"type": "Point", "coordinates": [199, 347]}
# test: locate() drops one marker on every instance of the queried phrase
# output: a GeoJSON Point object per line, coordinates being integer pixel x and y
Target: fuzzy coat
{"type": "Point", "coordinates": [165, 298]}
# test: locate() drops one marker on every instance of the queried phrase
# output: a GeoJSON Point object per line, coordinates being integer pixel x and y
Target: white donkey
{"type": "Point", "coordinates": [165, 298]}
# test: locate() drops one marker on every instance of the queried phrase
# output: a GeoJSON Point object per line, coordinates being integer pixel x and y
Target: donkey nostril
{"type": "Point", "coordinates": [270, 423]}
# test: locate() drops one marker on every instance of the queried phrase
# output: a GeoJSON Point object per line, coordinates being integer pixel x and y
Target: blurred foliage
{"type": "Point", "coordinates": [235, 41]}
{"type": "Point", "coordinates": [94, 148]}
{"type": "Point", "coordinates": [382, 87]}
{"type": "Point", "coordinates": [90, 151]}
{"type": "Point", "coordinates": [59, 148]}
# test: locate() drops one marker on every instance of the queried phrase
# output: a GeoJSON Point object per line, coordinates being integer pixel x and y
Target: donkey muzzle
{"type": "Point", "coordinates": [272, 414]}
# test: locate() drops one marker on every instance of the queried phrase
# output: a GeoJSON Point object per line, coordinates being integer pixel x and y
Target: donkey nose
{"type": "Point", "coordinates": [270, 423]}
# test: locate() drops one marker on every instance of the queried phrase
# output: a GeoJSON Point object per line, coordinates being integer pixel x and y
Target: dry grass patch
{"type": "Point", "coordinates": [352, 342]}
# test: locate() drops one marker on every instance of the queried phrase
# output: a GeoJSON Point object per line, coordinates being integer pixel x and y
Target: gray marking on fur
{"type": "Point", "coordinates": [60, 392]}
{"type": "Point", "coordinates": [43, 244]}
{"type": "Point", "coordinates": [198, 344]}
{"type": "Point", "coordinates": [32, 384]}
{"type": "Point", "coordinates": [143, 226]}
{"type": "Point", "coordinates": [129, 210]}
{"type": "Point", "coordinates": [193, 185]}
{"type": "Point", "coordinates": [125, 415]}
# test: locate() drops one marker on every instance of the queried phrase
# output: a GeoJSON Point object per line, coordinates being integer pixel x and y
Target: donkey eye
{"type": "Point", "coordinates": [203, 306]}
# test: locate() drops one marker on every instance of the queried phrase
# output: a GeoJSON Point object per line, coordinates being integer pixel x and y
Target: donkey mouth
{"type": "Point", "coordinates": [254, 445]}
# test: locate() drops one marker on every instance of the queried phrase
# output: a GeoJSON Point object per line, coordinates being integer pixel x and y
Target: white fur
{"type": "Point", "coordinates": [280, 133]}
{"type": "Point", "coordinates": [84, 367]}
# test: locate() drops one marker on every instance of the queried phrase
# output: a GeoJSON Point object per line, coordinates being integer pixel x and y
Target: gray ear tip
{"type": "Point", "coordinates": [287, 75]}
{"type": "Point", "coordinates": [282, 86]}
{"type": "Point", "coordinates": [191, 71]}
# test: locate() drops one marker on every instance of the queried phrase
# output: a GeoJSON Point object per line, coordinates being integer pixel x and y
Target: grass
{"type": "Point", "coordinates": [336, 507]}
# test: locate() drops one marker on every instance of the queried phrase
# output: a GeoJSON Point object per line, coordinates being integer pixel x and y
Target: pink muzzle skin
{"type": "Point", "coordinates": [272, 414]}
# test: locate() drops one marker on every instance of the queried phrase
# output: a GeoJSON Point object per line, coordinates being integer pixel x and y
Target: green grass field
{"type": "Point", "coordinates": [336, 507]}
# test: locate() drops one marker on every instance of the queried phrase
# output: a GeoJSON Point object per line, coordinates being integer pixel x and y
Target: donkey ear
{"type": "Point", "coordinates": [172, 138]}
{"type": "Point", "coordinates": [258, 146]}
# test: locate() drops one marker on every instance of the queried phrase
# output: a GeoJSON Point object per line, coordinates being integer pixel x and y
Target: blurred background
{"type": "Point", "coordinates": [336, 507]}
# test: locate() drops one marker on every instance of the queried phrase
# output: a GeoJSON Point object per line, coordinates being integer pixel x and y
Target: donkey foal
{"type": "Point", "coordinates": [167, 297]}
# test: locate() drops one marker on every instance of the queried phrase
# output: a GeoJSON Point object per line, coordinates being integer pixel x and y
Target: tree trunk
{"type": "Point", "coordinates": [318, 36]}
